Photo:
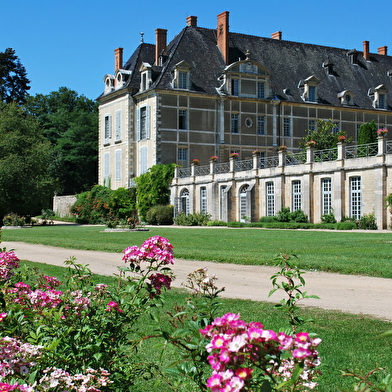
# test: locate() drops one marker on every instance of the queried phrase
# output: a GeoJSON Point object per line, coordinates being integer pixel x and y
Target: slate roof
{"type": "Point", "coordinates": [288, 62]}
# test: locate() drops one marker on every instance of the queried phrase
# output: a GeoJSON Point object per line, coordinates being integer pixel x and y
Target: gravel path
{"type": "Point", "coordinates": [348, 293]}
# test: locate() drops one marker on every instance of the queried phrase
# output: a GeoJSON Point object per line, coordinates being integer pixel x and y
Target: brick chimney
{"type": "Point", "coordinates": [118, 59]}
{"type": "Point", "coordinates": [383, 50]}
{"type": "Point", "coordinates": [160, 43]}
{"type": "Point", "coordinates": [366, 54]}
{"type": "Point", "coordinates": [191, 21]}
{"type": "Point", "coordinates": [222, 33]}
{"type": "Point", "coordinates": [276, 35]}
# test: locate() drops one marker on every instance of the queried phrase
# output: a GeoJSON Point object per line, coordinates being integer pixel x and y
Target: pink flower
{"type": "Point", "coordinates": [157, 281]}
{"type": "Point", "coordinates": [3, 316]}
{"type": "Point", "coordinates": [244, 373]}
{"type": "Point", "coordinates": [113, 306]}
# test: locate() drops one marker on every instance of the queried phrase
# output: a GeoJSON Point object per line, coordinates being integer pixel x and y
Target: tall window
{"type": "Point", "coordinates": [312, 94]}
{"type": "Point", "coordinates": [260, 125]}
{"type": "Point", "coordinates": [287, 127]}
{"type": "Point", "coordinates": [143, 159]}
{"type": "Point", "coordinates": [183, 80]}
{"type": "Point", "coordinates": [182, 119]}
{"type": "Point", "coordinates": [143, 123]}
{"type": "Point", "coordinates": [381, 101]}
{"type": "Point", "coordinates": [235, 123]}
{"type": "Point", "coordinates": [184, 200]}
{"type": "Point", "coordinates": [244, 203]}
{"type": "Point", "coordinates": [260, 90]}
{"type": "Point", "coordinates": [223, 203]}
{"type": "Point", "coordinates": [107, 129]}
{"type": "Point", "coordinates": [270, 198]}
{"type": "Point", "coordinates": [203, 199]}
{"type": "Point", "coordinates": [296, 196]}
{"type": "Point", "coordinates": [106, 167]}
{"type": "Point", "coordinates": [326, 196]}
{"type": "Point", "coordinates": [118, 165]}
{"type": "Point", "coordinates": [182, 157]}
{"type": "Point", "coordinates": [118, 125]}
{"type": "Point", "coordinates": [355, 197]}
{"type": "Point", "coordinates": [235, 87]}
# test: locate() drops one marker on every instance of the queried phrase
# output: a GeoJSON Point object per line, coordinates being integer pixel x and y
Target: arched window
{"type": "Point", "coordinates": [244, 204]}
{"type": "Point", "coordinates": [184, 201]}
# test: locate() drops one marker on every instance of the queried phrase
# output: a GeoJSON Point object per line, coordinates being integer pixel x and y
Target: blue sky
{"type": "Point", "coordinates": [71, 43]}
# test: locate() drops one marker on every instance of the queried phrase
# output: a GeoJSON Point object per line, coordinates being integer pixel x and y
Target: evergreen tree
{"type": "Point", "coordinates": [13, 78]}
{"type": "Point", "coordinates": [367, 133]}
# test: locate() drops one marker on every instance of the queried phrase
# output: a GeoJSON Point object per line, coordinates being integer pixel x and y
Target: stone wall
{"type": "Point", "coordinates": [62, 204]}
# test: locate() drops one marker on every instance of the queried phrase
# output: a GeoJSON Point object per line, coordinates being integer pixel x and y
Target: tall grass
{"type": "Point", "coordinates": [344, 252]}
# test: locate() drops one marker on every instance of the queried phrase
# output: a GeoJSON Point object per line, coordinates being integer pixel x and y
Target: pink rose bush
{"type": "Point", "coordinates": [239, 351]}
{"type": "Point", "coordinates": [8, 262]}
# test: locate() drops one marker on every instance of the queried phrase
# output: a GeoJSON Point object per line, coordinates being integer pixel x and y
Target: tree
{"type": "Point", "coordinates": [13, 78]}
{"type": "Point", "coordinates": [70, 123]}
{"type": "Point", "coordinates": [323, 135]}
{"type": "Point", "coordinates": [367, 133]}
{"type": "Point", "coordinates": [153, 187]}
{"type": "Point", "coordinates": [26, 184]}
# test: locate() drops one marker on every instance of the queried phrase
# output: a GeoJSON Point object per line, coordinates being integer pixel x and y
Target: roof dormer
{"type": "Point", "coordinates": [346, 97]}
{"type": "Point", "coordinates": [109, 83]}
{"type": "Point", "coordinates": [310, 89]}
{"type": "Point", "coordinates": [181, 77]}
{"type": "Point", "coordinates": [145, 76]}
{"type": "Point", "coordinates": [379, 96]}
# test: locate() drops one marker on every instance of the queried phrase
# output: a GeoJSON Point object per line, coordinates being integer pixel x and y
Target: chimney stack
{"type": "Point", "coordinates": [118, 59]}
{"type": "Point", "coordinates": [191, 21]}
{"type": "Point", "coordinates": [383, 50]}
{"type": "Point", "coordinates": [276, 35]}
{"type": "Point", "coordinates": [160, 43]}
{"type": "Point", "coordinates": [366, 54]}
{"type": "Point", "coordinates": [222, 32]}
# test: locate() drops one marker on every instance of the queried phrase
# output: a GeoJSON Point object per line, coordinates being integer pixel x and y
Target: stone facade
{"type": "Point", "coordinates": [348, 181]}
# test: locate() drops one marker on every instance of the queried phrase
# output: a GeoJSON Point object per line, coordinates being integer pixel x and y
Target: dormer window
{"type": "Point", "coordinates": [379, 96]}
{"type": "Point", "coordinates": [346, 97]}
{"type": "Point", "coordinates": [145, 76]}
{"type": "Point", "coordinates": [310, 89]}
{"type": "Point", "coordinates": [353, 55]}
{"type": "Point", "coordinates": [245, 78]}
{"type": "Point", "coordinates": [109, 83]}
{"type": "Point", "coordinates": [328, 67]}
{"type": "Point", "coordinates": [181, 78]}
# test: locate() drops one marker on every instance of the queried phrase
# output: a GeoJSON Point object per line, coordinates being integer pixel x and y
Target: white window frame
{"type": "Point", "coordinates": [355, 197]}
{"type": "Point", "coordinates": [183, 156]}
{"type": "Point", "coordinates": [184, 201]}
{"type": "Point", "coordinates": [261, 89]}
{"type": "Point", "coordinates": [270, 198]}
{"type": "Point", "coordinates": [326, 196]}
{"type": "Point", "coordinates": [107, 131]}
{"type": "Point", "coordinates": [203, 200]}
{"type": "Point", "coordinates": [143, 123]}
{"type": "Point", "coordinates": [235, 87]}
{"type": "Point", "coordinates": [106, 166]}
{"type": "Point", "coordinates": [296, 202]}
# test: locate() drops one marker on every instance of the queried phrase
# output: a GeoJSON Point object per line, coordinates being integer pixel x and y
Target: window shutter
{"type": "Point", "coordinates": [138, 124]}
{"type": "Point", "coordinates": [118, 125]}
{"type": "Point", "coordinates": [148, 121]}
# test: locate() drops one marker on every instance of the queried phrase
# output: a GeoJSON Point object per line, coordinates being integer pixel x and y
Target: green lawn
{"type": "Point", "coordinates": [344, 252]}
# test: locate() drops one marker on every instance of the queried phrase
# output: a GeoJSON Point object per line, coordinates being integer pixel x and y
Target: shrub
{"type": "Point", "coordinates": [284, 215]}
{"type": "Point", "coordinates": [268, 219]}
{"type": "Point", "coordinates": [368, 222]}
{"type": "Point", "coordinates": [216, 223]}
{"type": "Point", "coordinates": [299, 216]}
{"type": "Point", "coordinates": [346, 226]}
{"type": "Point", "coordinates": [13, 219]}
{"type": "Point", "coordinates": [160, 215]}
{"type": "Point", "coordinates": [195, 219]}
{"type": "Point", "coordinates": [328, 218]}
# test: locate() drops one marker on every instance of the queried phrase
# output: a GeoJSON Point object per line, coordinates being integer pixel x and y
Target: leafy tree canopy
{"type": "Point", "coordinates": [323, 135]}
{"type": "Point", "coordinates": [70, 123]}
{"type": "Point", "coordinates": [13, 78]}
{"type": "Point", "coordinates": [153, 187]}
{"type": "Point", "coordinates": [26, 184]}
